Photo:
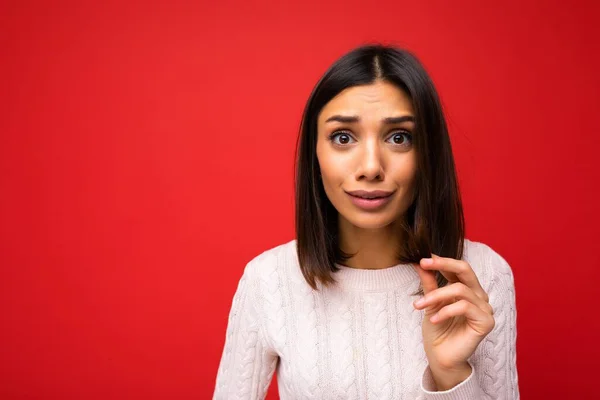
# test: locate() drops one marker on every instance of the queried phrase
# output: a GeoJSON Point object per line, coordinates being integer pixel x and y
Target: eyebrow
{"type": "Point", "coordinates": [348, 119]}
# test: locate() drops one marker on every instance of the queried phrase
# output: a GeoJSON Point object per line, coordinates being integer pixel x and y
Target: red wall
{"type": "Point", "coordinates": [146, 154]}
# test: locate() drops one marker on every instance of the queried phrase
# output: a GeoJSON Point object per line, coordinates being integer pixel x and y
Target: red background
{"type": "Point", "coordinates": [146, 154]}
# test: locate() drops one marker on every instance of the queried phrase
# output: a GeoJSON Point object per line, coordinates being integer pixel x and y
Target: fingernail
{"type": "Point", "coordinates": [420, 302]}
{"type": "Point", "coordinates": [427, 261]}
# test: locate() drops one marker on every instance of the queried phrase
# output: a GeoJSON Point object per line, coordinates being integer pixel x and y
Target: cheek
{"type": "Point", "coordinates": [328, 164]}
{"type": "Point", "coordinates": [406, 169]}
{"type": "Point", "coordinates": [331, 175]}
{"type": "Point", "coordinates": [404, 175]}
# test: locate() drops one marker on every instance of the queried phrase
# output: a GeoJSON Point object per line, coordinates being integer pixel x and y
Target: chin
{"type": "Point", "coordinates": [373, 221]}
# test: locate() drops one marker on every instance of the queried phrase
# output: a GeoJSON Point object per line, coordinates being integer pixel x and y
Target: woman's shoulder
{"type": "Point", "coordinates": [490, 267]}
{"type": "Point", "coordinates": [273, 261]}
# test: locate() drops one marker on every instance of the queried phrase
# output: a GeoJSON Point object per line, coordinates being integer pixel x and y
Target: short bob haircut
{"type": "Point", "coordinates": [434, 222]}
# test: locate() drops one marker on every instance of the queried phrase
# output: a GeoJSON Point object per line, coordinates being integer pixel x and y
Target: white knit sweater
{"type": "Point", "coordinates": [360, 339]}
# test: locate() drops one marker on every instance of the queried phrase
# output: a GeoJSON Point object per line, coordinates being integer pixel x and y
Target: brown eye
{"type": "Point", "coordinates": [398, 139]}
{"type": "Point", "coordinates": [343, 138]}
{"type": "Point", "coordinates": [401, 138]}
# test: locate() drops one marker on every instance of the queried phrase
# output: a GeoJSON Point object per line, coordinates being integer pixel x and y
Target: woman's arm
{"type": "Point", "coordinates": [494, 370]}
{"type": "Point", "coordinates": [247, 363]}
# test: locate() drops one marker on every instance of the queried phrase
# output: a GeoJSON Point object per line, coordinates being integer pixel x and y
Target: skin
{"type": "Point", "coordinates": [370, 154]}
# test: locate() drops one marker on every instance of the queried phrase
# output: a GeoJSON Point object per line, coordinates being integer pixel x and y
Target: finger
{"type": "Point", "coordinates": [428, 280]}
{"type": "Point", "coordinates": [456, 270]}
{"type": "Point", "coordinates": [478, 319]}
{"type": "Point", "coordinates": [450, 276]}
{"type": "Point", "coordinates": [450, 294]}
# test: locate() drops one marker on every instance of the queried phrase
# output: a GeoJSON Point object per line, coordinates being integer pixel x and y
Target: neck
{"type": "Point", "coordinates": [373, 248]}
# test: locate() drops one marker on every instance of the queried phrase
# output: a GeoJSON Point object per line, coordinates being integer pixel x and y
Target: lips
{"type": "Point", "coordinates": [370, 204]}
{"type": "Point", "coordinates": [374, 194]}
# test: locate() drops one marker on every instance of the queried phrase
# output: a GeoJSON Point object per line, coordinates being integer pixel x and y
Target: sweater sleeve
{"type": "Point", "coordinates": [494, 369]}
{"type": "Point", "coordinates": [247, 362]}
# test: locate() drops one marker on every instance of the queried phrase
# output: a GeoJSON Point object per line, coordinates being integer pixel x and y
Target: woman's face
{"type": "Point", "coordinates": [365, 143]}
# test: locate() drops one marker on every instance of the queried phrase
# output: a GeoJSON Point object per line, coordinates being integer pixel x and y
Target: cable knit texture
{"type": "Point", "coordinates": [359, 339]}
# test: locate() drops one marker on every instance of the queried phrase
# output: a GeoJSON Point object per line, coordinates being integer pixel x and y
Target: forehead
{"type": "Point", "coordinates": [379, 99]}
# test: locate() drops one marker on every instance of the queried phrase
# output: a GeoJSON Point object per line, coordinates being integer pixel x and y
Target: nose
{"type": "Point", "coordinates": [371, 164]}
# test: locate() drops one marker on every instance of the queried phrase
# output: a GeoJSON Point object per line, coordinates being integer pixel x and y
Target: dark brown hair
{"type": "Point", "coordinates": [434, 222]}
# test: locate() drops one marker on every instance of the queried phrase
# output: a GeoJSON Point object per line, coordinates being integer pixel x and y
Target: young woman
{"type": "Point", "coordinates": [380, 296]}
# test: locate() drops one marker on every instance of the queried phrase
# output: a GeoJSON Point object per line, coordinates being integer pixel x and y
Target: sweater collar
{"type": "Point", "coordinates": [376, 279]}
